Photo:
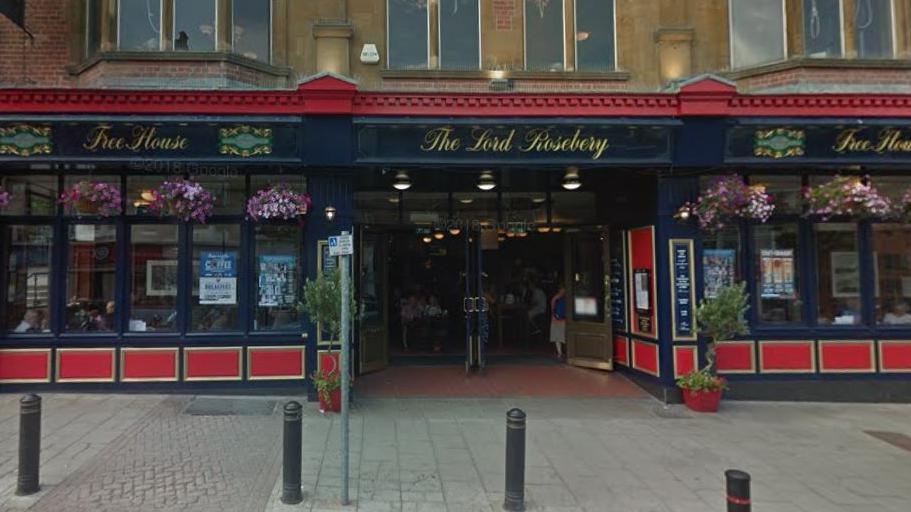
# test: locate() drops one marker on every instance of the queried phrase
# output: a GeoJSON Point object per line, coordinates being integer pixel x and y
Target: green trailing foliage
{"type": "Point", "coordinates": [720, 318]}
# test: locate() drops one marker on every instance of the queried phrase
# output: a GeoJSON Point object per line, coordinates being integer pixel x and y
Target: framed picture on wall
{"type": "Point", "coordinates": [642, 285]}
{"type": "Point", "coordinates": [161, 278]}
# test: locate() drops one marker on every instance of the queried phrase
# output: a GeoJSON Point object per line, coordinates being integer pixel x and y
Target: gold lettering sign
{"type": "Point", "coordinates": [887, 140]}
{"type": "Point", "coordinates": [444, 139]}
{"type": "Point", "coordinates": [142, 138]}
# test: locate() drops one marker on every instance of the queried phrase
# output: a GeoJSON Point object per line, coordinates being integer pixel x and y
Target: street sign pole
{"type": "Point", "coordinates": [345, 364]}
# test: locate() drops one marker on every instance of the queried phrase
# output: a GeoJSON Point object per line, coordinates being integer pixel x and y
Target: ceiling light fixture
{"type": "Point", "coordinates": [401, 181]}
{"type": "Point", "coordinates": [426, 239]}
{"type": "Point", "coordinates": [571, 179]}
{"type": "Point", "coordinates": [486, 182]}
{"type": "Point", "coordinates": [455, 230]}
{"type": "Point", "coordinates": [439, 235]}
{"type": "Point", "coordinates": [330, 213]}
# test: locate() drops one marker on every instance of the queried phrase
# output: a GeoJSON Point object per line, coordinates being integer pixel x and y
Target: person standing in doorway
{"type": "Point", "coordinates": [558, 321]}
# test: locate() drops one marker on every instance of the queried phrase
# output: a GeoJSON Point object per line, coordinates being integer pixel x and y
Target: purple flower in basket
{"type": "Point", "coordinates": [4, 198]}
{"type": "Point", "coordinates": [183, 198]}
{"type": "Point", "coordinates": [278, 202]}
{"type": "Point", "coordinates": [727, 198]}
{"type": "Point", "coordinates": [848, 196]}
{"type": "Point", "coordinates": [93, 197]}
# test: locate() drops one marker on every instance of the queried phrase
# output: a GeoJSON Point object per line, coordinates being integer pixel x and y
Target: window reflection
{"type": "Point", "coordinates": [407, 33]}
{"type": "Point", "coordinates": [30, 195]}
{"type": "Point", "coordinates": [838, 273]}
{"type": "Point", "coordinates": [544, 35]}
{"type": "Point", "coordinates": [153, 304]}
{"type": "Point", "coordinates": [459, 39]}
{"type": "Point", "coordinates": [720, 260]}
{"type": "Point", "coordinates": [892, 257]}
{"type": "Point", "coordinates": [777, 273]}
{"type": "Point", "coordinates": [873, 25]}
{"type": "Point", "coordinates": [278, 276]}
{"type": "Point", "coordinates": [822, 27]}
{"type": "Point", "coordinates": [252, 32]}
{"type": "Point", "coordinates": [91, 278]}
{"type": "Point", "coordinates": [216, 264]}
{"type": "Point", "coordinates": [140, 25]}
{"type": "Point", "coordinates": [28, 278]}
{"type": "Point", "coordinates": [595, 35]}
{"type": "Point", "coordinates": [757, 32]}
{"type": "Point", "coordinates": [194, 25]}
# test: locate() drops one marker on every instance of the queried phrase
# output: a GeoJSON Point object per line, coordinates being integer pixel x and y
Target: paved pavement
{"type": "Point", "coordinates": [141, 453]}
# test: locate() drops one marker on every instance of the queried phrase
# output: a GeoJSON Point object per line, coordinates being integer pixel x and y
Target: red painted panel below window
{"type": "Point", "coordinates": [782, 357]}
{"type": "Point", "coordinates": [645, 356]}
{"type": "Point", "coordinates": [896, 356]}
{"type": "Point", "coordinates": [213, 364]}
{"type": "Point", "coordinates": [276, 363]}
{"type": "Point", "coordinates": [620, 351]}
{"type": "Point", "coordinates": [734, 357]}
{"type": "Point", "coordinates": [845, 356]}
{"type": "Point", "coordinates": [86, 365]}
{"type": "Point", "coordinates": [24, 366]}
{"type": "Point", "coordinates": [149, 364]}
{"type": "Point", "coordinates": [685, 360]}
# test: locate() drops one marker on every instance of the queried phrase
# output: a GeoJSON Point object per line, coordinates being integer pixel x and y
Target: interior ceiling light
{"type": "Point", "coordinates": [486, 181]}
{"type": "Point", "coordinates": [571, 179]}
{"type": "Point", "coordinates": [557, 229]}
{"type": "Point", "coordinates": [439, 235]}
{"type": "Point", "coordinates": [393, 199]}
{"type": "Point", "coordinates": [538, 199]}
{"type": "Point", "coordinates": [455, 230]}
{"type": "Point", "coordinates": [401, 181]}
{"type": "Point", "coordinates": [426, 239]}
{"type": "Point", "coordinates": [543, 228]}
{"type": "Point", "coordinates": [466, 200]}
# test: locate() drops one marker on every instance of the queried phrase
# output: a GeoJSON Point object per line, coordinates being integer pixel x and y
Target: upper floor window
{"type": "Point", "coordinates": [544, 36]}
{"type": "Point", "coordinates": [757, 32]}
{"type": "Point", "coordinates": [194, 25]}
{"type": "Point", "coordinates": [139, 25]}
{"type": "Point", "coordinates": [460, 42]}
{"type": "Point", "coordinates": [595, 43]}
{"type": "Point", "coordinates": [874, 30]}
{"type": "Point", "coordinates": [252, 29]}
{"type": "Point", "coordinates": [822, 22]}
{"type": "Point", "coordinates": [407, 28]}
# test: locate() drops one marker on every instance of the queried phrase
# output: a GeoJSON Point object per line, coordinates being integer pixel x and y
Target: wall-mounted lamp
{"type": "Point", "coordinates": [401, 181]}
{"type": "Point", "coordinates": [486, 182]}
{"type": "Point", "coordinates": [571, 180]}
{"type": "Point", "coordinates": [330, 213]}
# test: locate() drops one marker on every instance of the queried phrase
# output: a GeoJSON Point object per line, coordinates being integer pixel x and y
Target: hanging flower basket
{"type": "Point", "coordinates": [903, 209]}
{"type": "Point", "coordinates": [278, 202]}
{"type": "Point", "coordinates": [92, 198]}
{"type": "Point", "coordinates": [4, 198]}
{"type": "Point", "coordinates": [184, 199]}
{"type": "Point", "coordinates": [849, 196]}
{"type": "Point", "coordinates": [728, 198]}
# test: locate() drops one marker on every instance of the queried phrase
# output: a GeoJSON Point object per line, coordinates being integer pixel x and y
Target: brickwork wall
{"type": "Point", "coordinates": [42, 61]}
{"type": "Point", "coordinates": [828, 80]}
{"type": "Point", "coordinates": [178, 74]}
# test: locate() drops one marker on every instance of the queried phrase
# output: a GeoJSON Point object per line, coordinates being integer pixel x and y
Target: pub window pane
{"type": "Point", "coordinates": [460, 44]}
{"type": "Point", "coordinates": [873, 25]}
{"type": "Point", "coordinates": [757, 32]}
{"type": "Point", "coordinates": [785, 191]}
{"type": "Point", "coordinates": [140, 191]}
{"type": "Point", "coordinates": [892, 257]}
{"type": "Point", "coordinates": [28, 275]}
{"type": "Point", "coordinates": [720, 260]}
{"type": "Point", "coordinates": [777, 273]}
{"type": "Point", "coordinates": [90, 278]}
{"type": "Point", "coordinates": [278, 276]}
{"type": "Point", "coordinates": [139, 25]}
{"type": "Point", "coordinates": [252, 28]}
{"type": "Point", "coordinates": [228, 190]}
{"type": "Point", "coordinates": [893, 187]}
{"type": "Point", "coordinates": [153, 302]}
{"type": "Point", "coordinates": [407, 33]}
{"type": "Point", "coordinates": [544, 35]}
{"type": "Point", "coordinates": [595, 35]}
{"type": "Point", "coordinates": [30, 195]}
{"type": "Point", "coordinates": [838, 274]}
{"type": "Point", "coordinates": [194, 25]}
{"type": "Point", "coordinates": [297, 182]}
{"type": "Point", "coordinates": [216, 268]}
{"type": "Point", "coordinates": [822, 27]}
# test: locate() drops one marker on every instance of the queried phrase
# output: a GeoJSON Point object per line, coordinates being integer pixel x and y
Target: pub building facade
{"type": "Point", "coordinates": [468, 183]}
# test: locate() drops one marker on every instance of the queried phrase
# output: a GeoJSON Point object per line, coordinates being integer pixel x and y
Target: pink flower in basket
{"type": "Point", "coordinates": [93, 197]}
{"type": "Point", "coordinates": [727, 198]}
{"type": "Point", "coordinates": [278, 202]}
{"type": "Point", "coordinates": [4, 198]}
{"type": "Point", "coordinates": [185, 199]}
{"type": "Point", "coordinates": [848, 196]}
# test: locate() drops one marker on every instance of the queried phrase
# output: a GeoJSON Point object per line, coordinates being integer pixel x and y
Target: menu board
{"type": "Point", "coordinates": [617, 292]}
{"type": "Point", "coordinates": [277, 281]}
{"type": "Point", "coordinates": [682, 289]}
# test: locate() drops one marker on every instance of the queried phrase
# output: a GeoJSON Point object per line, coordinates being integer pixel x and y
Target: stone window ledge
{"type": "Point", "coordinates": [818, 63]}
{"type": "Point", "coordinates": [429, 74]}
{"type": "Point", "coordinates": [170, 56]}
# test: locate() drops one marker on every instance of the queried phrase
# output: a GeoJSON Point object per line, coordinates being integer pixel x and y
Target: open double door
{"type": "Point", "coordinates": [586, 274]}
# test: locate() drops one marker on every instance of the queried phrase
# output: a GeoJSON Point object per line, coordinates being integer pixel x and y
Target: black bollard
{"type": "Point", "coordinates": [29, 445]}
{"type": "Point", "coordinates": [515, 460]}
{"type": "Point", "coordinates": [291, 458]}
{"type": "Point", "coordinates": [737, 489]}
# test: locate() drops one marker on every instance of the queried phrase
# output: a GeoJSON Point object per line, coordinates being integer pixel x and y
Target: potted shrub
{"type": "Point", "coordinates": [719, 319]}
{"type": "Point", "coordinates": [323, 304]}
{"type": "Point", "coordinates": [183, 198]}
{"type": "Point", "coordinates": [92, 198]}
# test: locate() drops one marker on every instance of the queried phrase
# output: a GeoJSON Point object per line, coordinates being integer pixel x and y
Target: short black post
{"type": "Point", "coordinates": [737, 490]}
{"type": "Point", "coordinates": [29, 445]}
{"type": "Point", "coordinates": [515, 460]}
{"type": "Point", "coordinates": [291, 458]}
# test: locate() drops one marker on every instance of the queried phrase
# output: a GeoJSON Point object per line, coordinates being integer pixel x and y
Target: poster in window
{"type": "Point", "coordinates": [277, 281]}
{"type": "Point", "coordinates": [218, 277]}
{"type": "Point", "coordinates": [161, 278]}
{"type": "Point", "coordinates": [845, 274]}
{"type": "Point", "coordinates": [776, 267]}
{"type": "Point", "coordinates": [719, 267]}
{"type": "Point", "coordinates": [643, 288]}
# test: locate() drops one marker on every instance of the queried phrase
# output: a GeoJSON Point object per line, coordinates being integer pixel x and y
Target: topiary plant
{"type": "Point", "coordinates": [722, 317]}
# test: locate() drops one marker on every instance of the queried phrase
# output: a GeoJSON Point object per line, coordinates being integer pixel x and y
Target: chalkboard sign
{"type": "Point", "coordinates": [682, 293]}
{"type": "Point", "coordinates": [618, 286]}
